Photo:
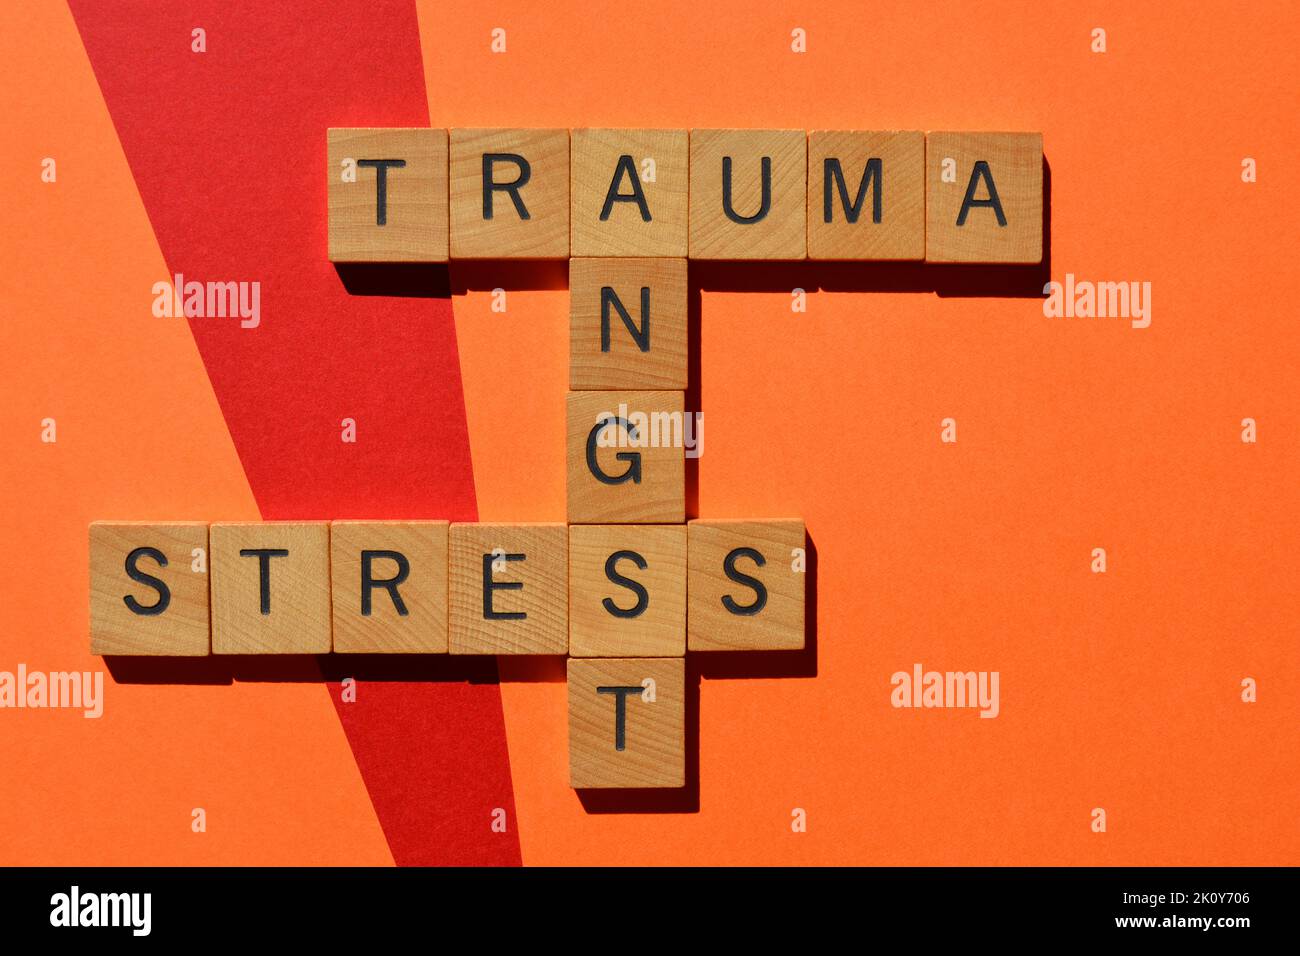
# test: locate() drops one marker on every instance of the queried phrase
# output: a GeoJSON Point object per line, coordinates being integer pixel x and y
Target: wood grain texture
{"type": "Point", "coordinates": [1015, 165]}
{"type": "Point", "coordinates": [598, 165]}
{"type": "Point", "coordinates": [419, 626]}
{"type": "Point", "coordinates": [535, 556]}
{"type": "Point", "coordinates": [296, 619]}
{"type": "Point", "coordinates": [180, 627]}
{"type": "Point", "coordinates": [657, 625]}
{"type": "Point", "coordinates": [653, 292]}
{"type": "Point", "coordinates": [778, 231]}
{"type": "Point", "coordinates": [416, 223]}
{"type": "Point", "coordinates": [650, 468]}
{"type": "Point", "coordinates": [898, 174]}
{"type": "Point", "coordinates": [544, 234]}
{"type": "Point", "coordinates": [725, 614]}
{"type": "Point", "coordinates": [654, 732]}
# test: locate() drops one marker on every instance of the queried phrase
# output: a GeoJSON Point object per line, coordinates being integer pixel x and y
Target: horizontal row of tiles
{"type": "Point", "coordinates": [434, 587]}
{"type": "Point", "coordinates": [429, 195]}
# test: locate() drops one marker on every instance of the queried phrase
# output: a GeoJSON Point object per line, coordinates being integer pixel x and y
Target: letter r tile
{"type": "Point", "coordinates": [389, 586]}
{"type": "Point", "coordinates": [509, 193]}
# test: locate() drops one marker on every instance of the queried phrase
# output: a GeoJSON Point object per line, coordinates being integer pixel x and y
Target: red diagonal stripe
{"type": "Point", "coordinates": [228, 150]}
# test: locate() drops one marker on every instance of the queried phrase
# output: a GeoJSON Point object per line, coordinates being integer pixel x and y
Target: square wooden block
{"type": "Point", "coordinates": [509, 193]}
{"type": "Point", "coordinates": [627, 323]}
{"type": "Point", "coordinates": [738, 212]}
{"type": "Point", "coordinates": [271, 587]}
{"type": "Point", "coordinates": [627, 590]}
{"type": "Point", "coordinates": [387, 195]}
{"type": "Point", "coordinates": [984, 197]}
{"type": "Point", "coordinates": [149, 588]}
{"type": "Point", "coordinates": [629, 192]}
{"type": "Point", "coordinates": [627, 722]}
{"type": "Point", "coordinates": [626, 457]}
{"type": "Point", "coordinates": [746, 585]}
{"type": "Point", "coordinates": [389, 586]}
{"type": "Point", "coordinates": [866, 194]}
{"type": "Point", "coordinates": [509, 589]}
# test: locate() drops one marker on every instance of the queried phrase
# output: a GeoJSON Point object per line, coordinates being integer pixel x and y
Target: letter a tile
{"type": "Point", "coordinates": [629, 192]}
{"type": "Point", "coordinates": [984, 197]}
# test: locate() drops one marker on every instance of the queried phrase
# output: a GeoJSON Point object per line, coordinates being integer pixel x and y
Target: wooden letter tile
{"type": "Point", "coordinates": [387, 195]}
{"type": "Point", "coordinates": [149, 588]}
{"type": "Point", "coordinates": [627, 590]}
{"type": "Point", "coordinates": [627, 323]}
{"type": "Point", "coordinates": [984, 197]}
{"type": "Point", "coordinates": [509, 589]}
{"type": "Point", "coordinates": [389, 586]}
{"type": "Point", "coordinates": [629, 189]}
{"type": "Point", "coordinates": [866, 195]}
{"type": "Point", "coordinates": [509, 193]}
{"type": "Point", "coordinates": [626, 457]}
{"type": "Point", "coordinates": [627, 723]}
{"type": "Point", "coordinates": [271, 588]}
{"type": "Point", "coordinates": [745, 594]}
{"type": "Point", "coordinates": [736, 211]}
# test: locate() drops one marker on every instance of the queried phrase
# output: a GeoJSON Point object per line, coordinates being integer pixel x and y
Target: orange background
{"type": "Point", "coordinates": [1119, 690]}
